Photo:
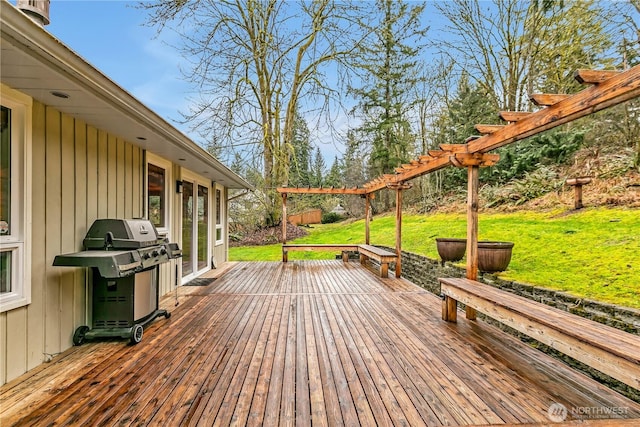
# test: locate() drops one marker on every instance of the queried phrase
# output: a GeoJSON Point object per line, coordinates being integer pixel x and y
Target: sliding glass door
{"type": "Point", "coordinates": [203, 227]}
{"type": "Point", "coordinates": [187, 228]}
{"type": "Point", "coordinates": [196, 250]}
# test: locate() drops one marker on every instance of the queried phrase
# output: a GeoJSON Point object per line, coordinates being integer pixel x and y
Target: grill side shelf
{"type": "Point", "coordinates": [110, 264]}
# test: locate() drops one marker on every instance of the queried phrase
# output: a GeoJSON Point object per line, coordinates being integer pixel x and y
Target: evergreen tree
{"type": "Point", "coordinates": [334, 177]}
{"type": "Point", "coordinates": [353, 160]}
{"type": "Point", "coordinates": [300, 174]}
{"type": "Point", "coordinates": [318, 169]}
{"type": "Point", "coordinates": [389, 62]}
{"type": "Point", "coordinates": [354, 173]}
{"type": "Point", "coordinates": [470, 106]}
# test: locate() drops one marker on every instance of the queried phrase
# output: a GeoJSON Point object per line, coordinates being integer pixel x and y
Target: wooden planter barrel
{"type": "Point", "coordinates": [494, 256]}
{"type": "Point", "coordinates": [451, 249]}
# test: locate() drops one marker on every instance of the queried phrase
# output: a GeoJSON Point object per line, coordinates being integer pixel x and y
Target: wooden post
{"type": "Point", "coordinates": [285, 255]}
{"type": "Point", "coordinates": [472, 230]}
{"type": "Point", "coordinates": [473, 162]}
{"type": "Point", "coordinates": [399, 231]}
{"type": "Point", "coordinates": [577, 184]}
{"type": "Point", "coordinates": [367, 215]}
{"type": "Point", "coordinates": [449, 309]}
{"type": "Point", "coordinates": [577, 203]}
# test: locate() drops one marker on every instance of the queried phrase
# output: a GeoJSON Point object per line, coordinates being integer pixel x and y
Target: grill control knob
{"type": "Point", "coordinates": [155, 253]}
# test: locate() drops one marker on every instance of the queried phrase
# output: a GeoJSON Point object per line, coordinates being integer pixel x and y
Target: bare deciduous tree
{"type": "Point", "coordinates": [512, 48]}
{"type": "Point", "coordinates": [254, 63]}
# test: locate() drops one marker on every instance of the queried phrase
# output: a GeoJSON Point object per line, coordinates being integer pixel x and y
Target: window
{"type": "Point", "coordinates": [5, 201]}
{"type": "Point", "coordinates": [5, 172]}
{"type": "Point", "coordinates": [6, 271]}
{"type": "Point", "coordinates": [15, 201]}
{"type": "Point", "coordinates": [219, 216]}
{"type": "Point", "coordinates": [203, 226]}
{"type": "Point", "coordinates": [157, 196]}
{"type": "Point", "coordinates": [158, 193]}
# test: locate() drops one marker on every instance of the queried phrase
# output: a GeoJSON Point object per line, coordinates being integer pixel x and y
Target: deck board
{"type": "Point", "coordinates": [304, 342]}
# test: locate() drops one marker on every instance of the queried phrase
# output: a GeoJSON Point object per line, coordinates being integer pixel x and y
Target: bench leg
{"type": "Point", "coordinates": [449, 309]}
{"type": "Point", "coordinates": [470, 312]}
{"type": "Point", "coordinates": [384, 269]}
{"type": "Point", "coordinates": [363, 259]}
{"type": "Point", "coordinates": [285, 256]}
{"type": "Point", "coordinates": [345, 256]}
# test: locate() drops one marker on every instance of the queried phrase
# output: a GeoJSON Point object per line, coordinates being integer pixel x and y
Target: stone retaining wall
{"type": "Point", "coordinates": [425, 272]}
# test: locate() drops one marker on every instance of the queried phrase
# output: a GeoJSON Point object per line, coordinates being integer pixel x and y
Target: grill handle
{"type": "Point", "coordinates": [108, 240]}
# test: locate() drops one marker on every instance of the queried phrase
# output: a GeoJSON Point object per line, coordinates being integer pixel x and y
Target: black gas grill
{"type": "Point", "coordinates": [124, 255]}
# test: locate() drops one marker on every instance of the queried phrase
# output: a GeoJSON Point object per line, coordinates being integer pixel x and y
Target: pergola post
{"type": "Point", "coordinates": [285, 255]}
{"type": "Point", "coordinates": [472, 229]}
{"type": "Point", "coordinates": [367, 217]}
{"type": "Point", "coordinates": [399, 187]}
{"type": "Point", "coordinates": [399, 231]}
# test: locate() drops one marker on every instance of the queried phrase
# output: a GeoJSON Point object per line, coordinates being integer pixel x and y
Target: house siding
{"type": "Point", "coordinates": [79, 174]}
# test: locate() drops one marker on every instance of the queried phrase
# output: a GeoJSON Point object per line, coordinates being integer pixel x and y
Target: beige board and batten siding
{"type": "Point", "coordinates": [168, 275]}
{"type": "Point", "coordinates": [80, 174]}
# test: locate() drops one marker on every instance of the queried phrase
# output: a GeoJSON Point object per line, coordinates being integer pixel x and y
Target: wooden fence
{"type": "Point", "coordinates": [313, 216]}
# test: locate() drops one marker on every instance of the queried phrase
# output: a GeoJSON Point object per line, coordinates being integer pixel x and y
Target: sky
{"type": "Point", "coordinates": [111, 36]}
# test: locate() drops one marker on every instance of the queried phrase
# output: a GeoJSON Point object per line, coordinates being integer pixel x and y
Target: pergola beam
{"type": "Point", "coordinates": [594, 76]}
{"type": "Point", "coordinates": [547, 99]}
{"type": "Point", "coordinates": [425, 166]}
{"type": "Point", "coordinates": [454, 148]}
{"type": "Point", "coordinates": [302, 190]}
{"type": "Point", "coordinates": [485, 129]}
{"type": "Point", "coordinates": [474, 159]}
{"type": "Point", "coordinates": [615, 90]}
{"type": "Point", "coordinates": [514, 116]}
{"type": "Point", "coordinates": [611, 88]}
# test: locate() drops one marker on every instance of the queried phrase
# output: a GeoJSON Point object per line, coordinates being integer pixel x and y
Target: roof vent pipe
{"type": "Point", "coordinates": [37, 10]}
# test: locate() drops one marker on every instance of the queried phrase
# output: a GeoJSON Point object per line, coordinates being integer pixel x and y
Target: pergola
{"type": "Point", "coordinates": [606, 89]}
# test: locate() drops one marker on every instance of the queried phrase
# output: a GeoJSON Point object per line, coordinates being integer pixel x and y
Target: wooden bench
{"type": "Point", "coordinates": [287, 247]}
{"type": "Point", "coordinates": [384, 257]}
{"type": "Point", "coordinates": [609, 350]}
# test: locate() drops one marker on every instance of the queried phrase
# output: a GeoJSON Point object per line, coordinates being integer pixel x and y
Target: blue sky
{"type": "Point", "coordinates": [110, 36]}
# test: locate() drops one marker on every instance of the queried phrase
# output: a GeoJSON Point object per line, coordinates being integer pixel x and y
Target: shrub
{"type": "Point", "coordinates": [330, 217]}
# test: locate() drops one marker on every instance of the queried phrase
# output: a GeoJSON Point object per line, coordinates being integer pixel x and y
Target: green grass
{"type": "Point", "coordinates": [594, 253]}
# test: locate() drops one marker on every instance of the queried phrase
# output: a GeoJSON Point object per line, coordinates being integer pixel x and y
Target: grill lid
{"type": "Point", "coordinates": [121, 234]}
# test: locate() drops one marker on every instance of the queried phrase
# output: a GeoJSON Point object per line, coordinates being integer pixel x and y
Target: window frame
{"type": "Point", "coordinates": [18, 243]}
{"type": "Point", "coordinates": [220, 226]}
{"type": "Point", "coordinates": [161, 163]}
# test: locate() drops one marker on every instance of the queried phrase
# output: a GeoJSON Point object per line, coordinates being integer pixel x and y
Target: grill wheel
{"type": "Point", "coordinates": [136, 334]}
{"type": "Point", "coordinates": [78, 335]}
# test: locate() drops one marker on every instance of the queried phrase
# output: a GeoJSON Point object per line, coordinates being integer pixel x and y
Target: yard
{"type": "Point", "coordinates": [593, 253]}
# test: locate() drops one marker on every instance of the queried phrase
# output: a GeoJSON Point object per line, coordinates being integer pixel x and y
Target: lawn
{"type": "Point", "coordinates": [594, 253]}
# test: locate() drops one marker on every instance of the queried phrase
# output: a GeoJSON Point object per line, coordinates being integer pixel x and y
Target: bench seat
{"type": "Point", "coordinates": [609, 350]}
{"type": "Point", "coordinates": [383, 256]}
{"type": "Point", "coordinates": [287, 247]}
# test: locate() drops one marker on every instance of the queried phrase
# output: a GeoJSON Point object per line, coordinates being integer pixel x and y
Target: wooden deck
{"type": "Point", "coordinates": [307, 342]}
